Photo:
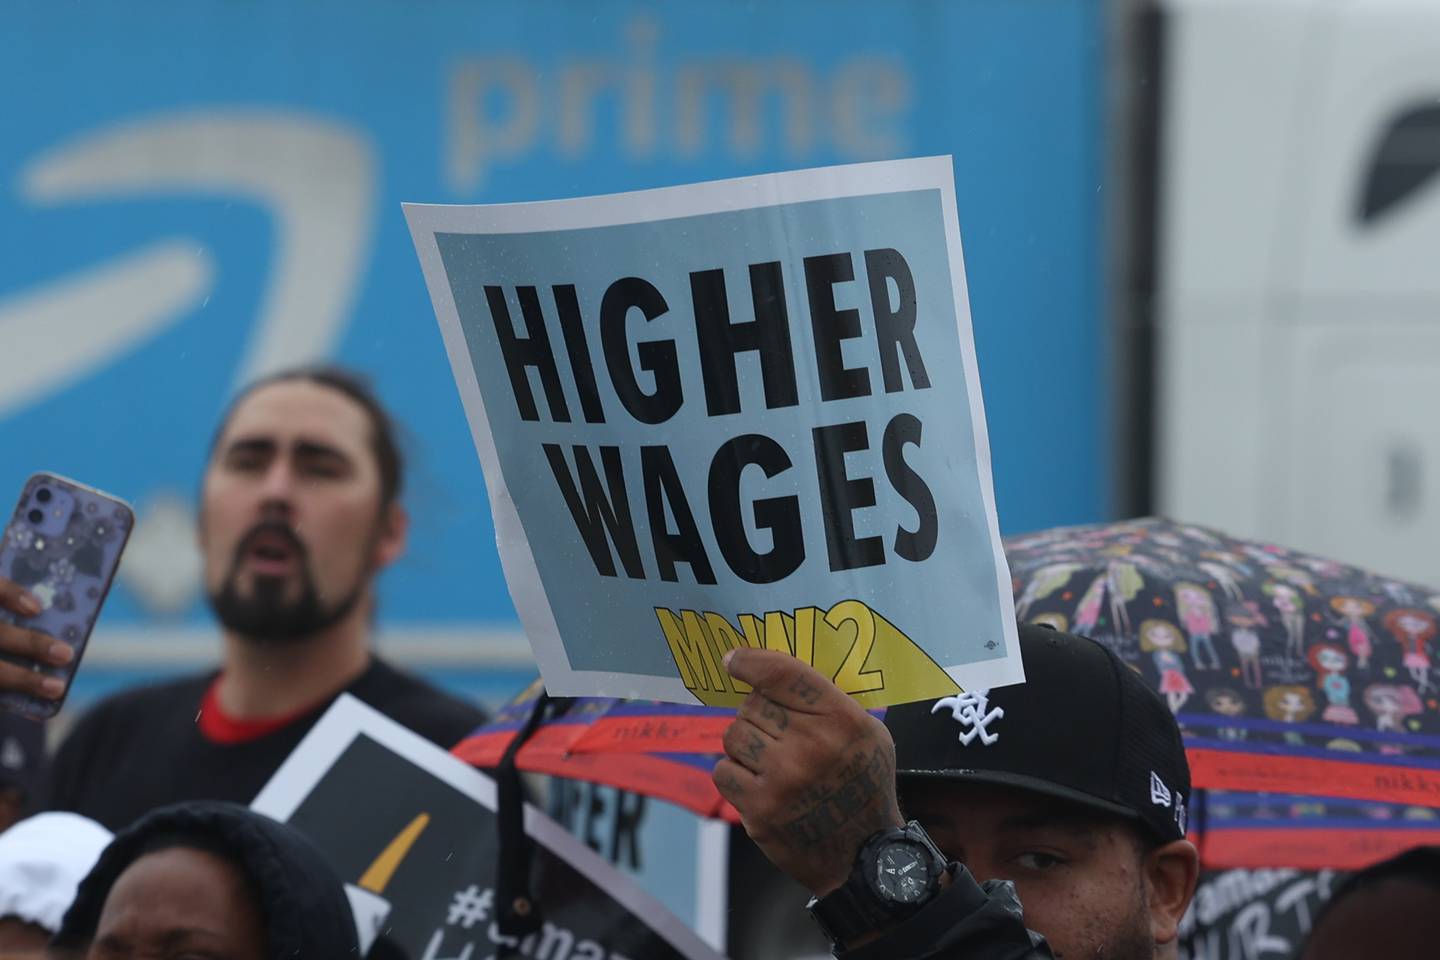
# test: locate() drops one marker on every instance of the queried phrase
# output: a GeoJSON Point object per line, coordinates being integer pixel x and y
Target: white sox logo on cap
{"type": "Point", "coordinates": [972, 710]}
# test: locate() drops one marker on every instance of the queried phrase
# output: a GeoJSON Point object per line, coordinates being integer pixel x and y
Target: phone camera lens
{"type": "Point", "coordinates": [36, 516]}
{"type": "Point", "coordinates": [43, 495]}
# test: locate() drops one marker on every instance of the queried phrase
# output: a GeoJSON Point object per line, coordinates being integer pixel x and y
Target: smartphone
{"type": "Point", "coordinates": [63, 545]}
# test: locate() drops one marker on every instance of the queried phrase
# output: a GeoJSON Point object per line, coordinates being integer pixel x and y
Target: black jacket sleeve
{"type": "Point", "coordinates": [967, 921]}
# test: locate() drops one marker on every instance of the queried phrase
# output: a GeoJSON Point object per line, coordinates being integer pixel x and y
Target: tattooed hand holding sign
{"type": "Point", "coordinates": [812, 774]}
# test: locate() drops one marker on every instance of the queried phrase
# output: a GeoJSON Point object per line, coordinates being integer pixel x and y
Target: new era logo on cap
{"type": "Point", "coordinates": [1160, 796]}
{"type": "Point", "coordinates": [1159, 793]}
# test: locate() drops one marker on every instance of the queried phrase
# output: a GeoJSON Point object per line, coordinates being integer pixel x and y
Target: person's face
{"type": "Point", "coordinates": [1411, 624]}
{"type": "Point", "coordinates": [1082, 879]}
{"type": "Point", "coordinates": [21, 939]}
{"type": "Point", "coordinates": [1330, 660]}
{"type": "Point", "coordinates": [180, 903]}
{"type": "Point", "coordinates": [1226, 704]}
{"type": "Point", "coordinates": [1393, 918]}
{"type": "Point", "coordinates": [291, 525]}
{"type": "Point", "coordinates": [1383, 701]}
{"type": "Point", "coordinates": [1164, 637]}
{"type": "Point", "coordinates": [1291, 703]}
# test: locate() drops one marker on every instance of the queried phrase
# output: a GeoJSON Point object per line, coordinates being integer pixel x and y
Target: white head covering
{"type": "Point", "coordinates": [42, 861]}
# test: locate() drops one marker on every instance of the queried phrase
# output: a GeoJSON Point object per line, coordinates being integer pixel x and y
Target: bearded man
{"type": "Point", "coordinates": [300, 511]}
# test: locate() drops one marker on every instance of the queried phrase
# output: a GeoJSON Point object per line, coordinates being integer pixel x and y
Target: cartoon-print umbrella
{"type": "Point", "coordinates": [1304, 687]}
{"type": "Point", "coordinates": [645, 747]}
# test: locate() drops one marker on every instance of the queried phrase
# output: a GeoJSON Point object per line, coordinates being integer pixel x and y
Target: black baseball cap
{"type": "Point", "coordinates": [1082, 727]}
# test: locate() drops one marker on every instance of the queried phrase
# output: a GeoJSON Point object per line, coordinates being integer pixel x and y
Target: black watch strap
{"type": "Point", "coordinates": [844, 914]}
{"type": "Point", "coordinates": [854, 909]}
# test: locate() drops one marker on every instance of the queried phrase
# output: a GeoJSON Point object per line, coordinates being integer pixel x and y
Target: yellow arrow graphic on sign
{"type": "Point", "coordinates": [377, 877]}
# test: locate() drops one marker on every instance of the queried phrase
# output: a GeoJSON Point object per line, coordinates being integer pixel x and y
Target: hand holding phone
{"type": "Point", "coordinates": [28, 646]}
{"type": "Point", "coordinates": [58, 557]}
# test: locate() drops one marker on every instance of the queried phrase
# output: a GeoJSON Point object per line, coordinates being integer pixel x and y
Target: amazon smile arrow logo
{"type": "Point", "coordinates": [316, 180]}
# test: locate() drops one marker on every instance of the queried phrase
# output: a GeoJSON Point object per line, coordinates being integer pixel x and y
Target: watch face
{"type": "Point", "coordinates": [900, 872]}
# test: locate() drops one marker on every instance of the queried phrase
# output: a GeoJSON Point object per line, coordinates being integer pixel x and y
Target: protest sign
{"type": "Point", "coordinates": [1252, 914]}
{"type": "Point", "coordinates": [412, 831]}
{"type": "Point", "coordinates": [735, 413]}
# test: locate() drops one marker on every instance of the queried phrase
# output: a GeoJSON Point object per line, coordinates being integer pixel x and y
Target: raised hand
{"type": "Point", "coordinates": [811, 773]}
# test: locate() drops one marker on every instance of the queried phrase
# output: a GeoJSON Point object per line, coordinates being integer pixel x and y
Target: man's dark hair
{"type": "Point", "coordinates": [383, 443]}
{"type": "Point", "coordinates": [1418, 865]}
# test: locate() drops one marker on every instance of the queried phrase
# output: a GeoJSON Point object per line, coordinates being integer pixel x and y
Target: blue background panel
{"type": "Point", "coordinates": [247, 146]}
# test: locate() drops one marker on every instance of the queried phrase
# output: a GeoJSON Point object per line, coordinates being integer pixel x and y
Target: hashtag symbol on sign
{"type": "Point", "coordinates": [470, 907]}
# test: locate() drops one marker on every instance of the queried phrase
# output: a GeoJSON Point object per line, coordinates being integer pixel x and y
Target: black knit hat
{"type": "Point", "coordinates": [306, 911]}
{"type": "Point", "coordinates": [1082, 727]}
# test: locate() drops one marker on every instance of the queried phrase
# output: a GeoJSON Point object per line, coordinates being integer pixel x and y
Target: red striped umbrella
{"type": "Point", "coordinates": [643, 747]}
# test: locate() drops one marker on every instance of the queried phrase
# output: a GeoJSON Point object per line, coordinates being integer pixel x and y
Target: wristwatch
{"type": "Point", "coordinates": [897, 872]}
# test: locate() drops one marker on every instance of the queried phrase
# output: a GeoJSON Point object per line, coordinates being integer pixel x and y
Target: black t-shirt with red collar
{"type": "Point", "coordinates": [162, 744]}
